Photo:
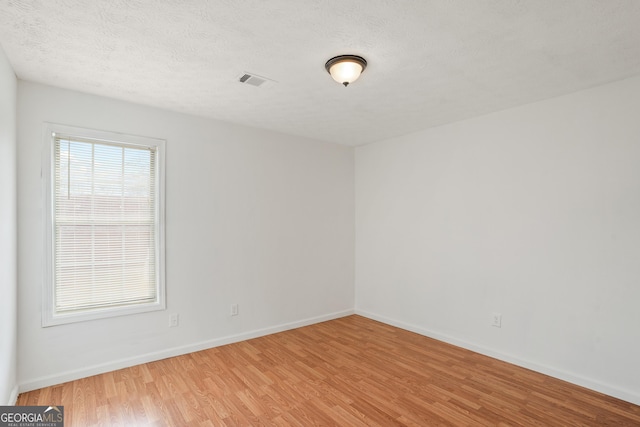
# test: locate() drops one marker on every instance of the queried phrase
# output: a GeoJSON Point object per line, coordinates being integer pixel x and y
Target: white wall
{"type": "Point", "coordinates": [256, 218]}
{"type": "Point", "coordinates": [8, 227]}
{"type": "Point", "coordinates": [534, 213]}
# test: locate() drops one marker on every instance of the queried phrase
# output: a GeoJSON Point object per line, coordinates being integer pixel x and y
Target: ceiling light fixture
{"type": "Point", "coordinates": [346, 69]}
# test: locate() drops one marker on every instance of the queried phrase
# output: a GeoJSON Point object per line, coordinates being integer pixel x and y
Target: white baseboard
{"type": "Point", "coordinates": [63, 377]}
{"type": "Point", "coordinates": [13, 398]}
{"type": "Point", "coordinates": [616, 392]}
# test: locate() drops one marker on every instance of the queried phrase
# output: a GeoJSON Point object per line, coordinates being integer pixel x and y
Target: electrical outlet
{"type": "Point", "coordinates": [496, 320]}
{"type": "Point", "coordinates": [234, 309]}
{"type": "Point", "coordinates": [174, 320]}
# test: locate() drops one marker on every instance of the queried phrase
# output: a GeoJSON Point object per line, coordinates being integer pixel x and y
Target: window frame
{"type": "Point", "coordinates": [49, 315]}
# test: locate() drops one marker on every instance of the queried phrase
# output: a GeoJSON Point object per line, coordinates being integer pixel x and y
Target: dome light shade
{"type": "Point", "coordinates": [346, 69]}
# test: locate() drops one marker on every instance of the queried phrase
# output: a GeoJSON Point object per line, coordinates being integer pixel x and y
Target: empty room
{"type": "Point", "coordinates": [350, 213]}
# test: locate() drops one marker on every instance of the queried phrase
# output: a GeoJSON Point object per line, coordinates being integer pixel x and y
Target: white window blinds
{"type": "Point", "coordinates": [105, 225]}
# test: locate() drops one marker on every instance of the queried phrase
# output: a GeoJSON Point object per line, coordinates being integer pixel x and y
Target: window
{"type": "Point", "coordinates": [104, 224]}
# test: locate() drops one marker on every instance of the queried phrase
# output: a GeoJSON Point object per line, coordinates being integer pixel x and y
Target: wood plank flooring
{"type": "Point", "coordinates": [347, 372]}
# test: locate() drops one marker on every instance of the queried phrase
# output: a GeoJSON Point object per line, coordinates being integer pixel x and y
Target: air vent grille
{"type": "Point", "coordinates": [254, 80]}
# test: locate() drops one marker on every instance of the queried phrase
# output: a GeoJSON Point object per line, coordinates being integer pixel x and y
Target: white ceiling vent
{"type": "Point", "coordinates": [254, 80]}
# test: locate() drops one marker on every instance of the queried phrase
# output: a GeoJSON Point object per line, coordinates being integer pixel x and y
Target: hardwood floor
{"type": "Point", "coordinates": [347, 372]}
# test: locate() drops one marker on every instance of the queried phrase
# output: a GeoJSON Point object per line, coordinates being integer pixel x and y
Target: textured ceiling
{"type": "Point", "coordinates": [430, 61]}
